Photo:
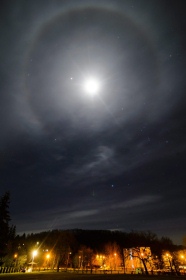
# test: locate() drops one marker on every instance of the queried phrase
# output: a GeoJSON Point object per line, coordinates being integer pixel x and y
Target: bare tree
{"type": "Point", "coordinates": [113, 255]}
{"type": "Point", "coordinates": [143, 256]}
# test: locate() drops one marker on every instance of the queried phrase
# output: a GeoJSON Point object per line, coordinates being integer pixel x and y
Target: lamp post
{"type": "Point", "coordinates": [34, 253]}
{"type": "Point", "coordinates": [15, 259]}
{"type": "Point", "coordinates": [115, 260]}
{"type": "Point", "coordinates": [79, 262]}
{"type": "Point", "coordinates": [183, 258]}
{"type": "Point", "coordinates": [68, 257]}
{"type": "Point", "coordinates": [47, 257]}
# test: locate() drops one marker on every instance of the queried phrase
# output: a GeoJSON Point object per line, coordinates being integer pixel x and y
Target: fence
{"type": "Point", "coordinates": [9, 269]}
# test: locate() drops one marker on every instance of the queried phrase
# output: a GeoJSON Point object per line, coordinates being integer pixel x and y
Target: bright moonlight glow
{"type": "Point", "coordinates": [92, 86]}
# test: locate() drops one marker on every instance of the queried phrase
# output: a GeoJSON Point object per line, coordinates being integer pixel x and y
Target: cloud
{"type": "Point", "coordinates": [102, 156]}
{"type": "Point", "coordinates": [139, 201]}
{"type": "Point", "coordinates": [81, 214]}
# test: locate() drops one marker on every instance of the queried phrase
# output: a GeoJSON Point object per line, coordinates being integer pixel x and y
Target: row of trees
{"type": "Point", "coordinates": [84, 248]}
{"type": "Point", "coordinates": [100, 249]}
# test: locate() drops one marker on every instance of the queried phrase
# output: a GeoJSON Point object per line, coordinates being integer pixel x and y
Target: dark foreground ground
{"type": "Point", "coordinates": [71, 276]}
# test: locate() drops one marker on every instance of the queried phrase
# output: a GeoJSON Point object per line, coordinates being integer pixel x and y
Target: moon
{"type": "Point", "coordinates": [91, 86]}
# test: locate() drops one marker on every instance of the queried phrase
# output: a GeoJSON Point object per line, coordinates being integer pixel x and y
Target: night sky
{"type": "Point", "coordinates": [77, 157]}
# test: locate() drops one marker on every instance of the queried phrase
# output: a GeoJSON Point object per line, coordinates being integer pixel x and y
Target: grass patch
{"type": "Point", "coordinates": [78, 276]}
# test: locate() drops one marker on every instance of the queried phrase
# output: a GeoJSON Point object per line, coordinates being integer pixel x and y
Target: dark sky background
{"type": "Point", "coordinates": [115, 160]}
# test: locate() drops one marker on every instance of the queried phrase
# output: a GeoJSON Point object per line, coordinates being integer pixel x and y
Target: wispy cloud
{"type": "Point", "coordinates": [141, 200]}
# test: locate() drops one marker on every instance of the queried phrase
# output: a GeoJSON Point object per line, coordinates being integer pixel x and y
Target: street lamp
{"type": "Point", "coordinates": [68, 257]}
{"type": "Point", "coordinates": [47, 257]}
{"type": "Point", "coordinates": [115, 260]}
{"type": "Point", "coordinates": [182, 258]}
{"type": "Point", "coordinates": [79, 261]}
{"type": "Point", "coordinates": [34, 253]}
{"type": "Point", "coordinates": [15, 259]}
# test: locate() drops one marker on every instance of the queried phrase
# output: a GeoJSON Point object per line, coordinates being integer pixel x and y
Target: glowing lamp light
{"type": "Point", "coordinates": [34, 253]}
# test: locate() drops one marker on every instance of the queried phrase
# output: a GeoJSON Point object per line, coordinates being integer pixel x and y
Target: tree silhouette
{"type": "Point", "coordinates": [7, 232]}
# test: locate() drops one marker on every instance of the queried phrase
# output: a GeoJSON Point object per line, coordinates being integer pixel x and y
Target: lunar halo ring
{"type": "Point", "coordinates": [47, 22]}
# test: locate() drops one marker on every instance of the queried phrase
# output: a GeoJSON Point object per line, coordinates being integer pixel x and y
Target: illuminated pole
{"type": "Point", "coordinates": [48, 257]}
{"type": "Point", "coordinates": [15, 259]}
{"type": "Point", "coordinates": [79, 261]}
{"type": "Point", "coordinates": [115, 260]}
{"type": "Point", "coordinates": [68, 257]}
{"type": "Point", "coordinates": [183, 259]}
{"type": "Point", "coordinates": [33, 255]}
